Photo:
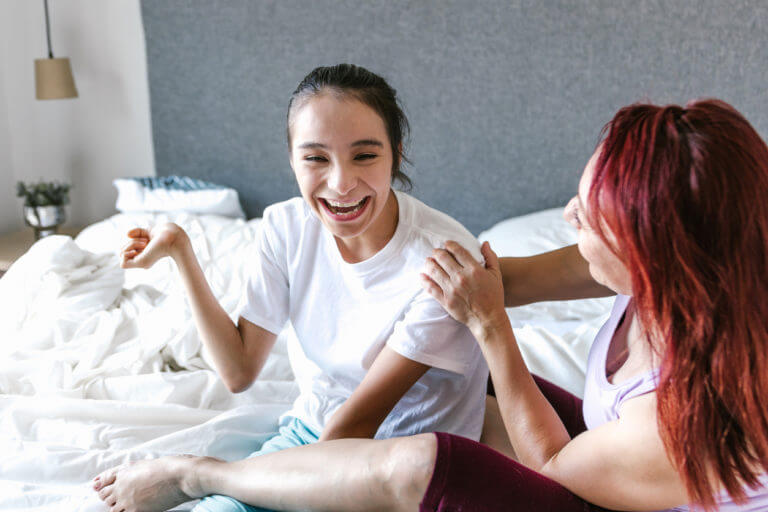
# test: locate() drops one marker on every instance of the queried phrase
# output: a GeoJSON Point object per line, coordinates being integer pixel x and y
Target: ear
{"type": "Point", "coordinates": [397, 160]}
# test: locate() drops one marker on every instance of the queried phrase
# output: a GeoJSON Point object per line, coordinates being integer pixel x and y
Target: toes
{"type": "Point", "coordinates": [105, 494]}
{"type": "Point", "coordinates": [104, 479]}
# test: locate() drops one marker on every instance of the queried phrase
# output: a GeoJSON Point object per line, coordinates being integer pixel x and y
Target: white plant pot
{"type": "Point", "coordinates": [45, 220]}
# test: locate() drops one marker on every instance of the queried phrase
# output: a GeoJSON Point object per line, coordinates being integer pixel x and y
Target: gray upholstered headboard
{"type": "Point", "coordinates": [505, 98]}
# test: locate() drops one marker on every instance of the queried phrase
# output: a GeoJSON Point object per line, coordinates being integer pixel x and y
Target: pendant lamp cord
{"type": "Point", "coordinates": [48, 29]}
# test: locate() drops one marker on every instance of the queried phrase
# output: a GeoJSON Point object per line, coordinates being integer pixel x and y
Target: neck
{"type": "Point", "coordinates": [378, 235]}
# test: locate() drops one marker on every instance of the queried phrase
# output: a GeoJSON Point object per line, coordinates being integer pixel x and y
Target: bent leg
{"type": "Point", "coordinates": [346, 474]}
{"type": "Point", "coordinates": [471, 476]}
{"type": "Point", "coordinates": [291, 434]}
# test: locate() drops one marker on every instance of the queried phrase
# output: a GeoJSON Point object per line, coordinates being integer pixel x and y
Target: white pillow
{"type": "Point", "coordinates": [176, 193]}
{"type": "Point", "coordinates": [537, 232]}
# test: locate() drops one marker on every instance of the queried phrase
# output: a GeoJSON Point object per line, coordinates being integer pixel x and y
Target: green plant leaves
{"type": "Point", "coordinates": [43, 193]}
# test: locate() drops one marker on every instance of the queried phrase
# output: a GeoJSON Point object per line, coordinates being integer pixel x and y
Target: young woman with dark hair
{"type": "Point", "coordinates": [671, 215]}
{"type": "Point", "coordinates": [376, 357]}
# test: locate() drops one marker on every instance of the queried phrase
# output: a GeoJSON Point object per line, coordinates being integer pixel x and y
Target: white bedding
{"type": "Point", "coordinates": [99, 365]}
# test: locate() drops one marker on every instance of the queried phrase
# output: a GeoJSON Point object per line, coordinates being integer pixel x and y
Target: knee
{"type": "Point", "coordinates": [411, 462]}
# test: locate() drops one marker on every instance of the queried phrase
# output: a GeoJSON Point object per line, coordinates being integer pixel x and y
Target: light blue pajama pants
{"type": "Point", "coordinates": [293, 432]}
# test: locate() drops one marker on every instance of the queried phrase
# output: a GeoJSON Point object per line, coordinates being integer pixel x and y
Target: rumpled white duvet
{"type": "Point", "coordinates": [100, 365]}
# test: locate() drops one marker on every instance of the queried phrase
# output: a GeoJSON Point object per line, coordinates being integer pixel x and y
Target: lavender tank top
{"type": "Point", "coordinates": [602, 400]}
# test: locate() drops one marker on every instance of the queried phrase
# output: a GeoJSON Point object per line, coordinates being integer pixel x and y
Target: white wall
{"type": "Point", "coordinates": [87, 141]}
{"type": "Point", "coordinates": [10, 215]}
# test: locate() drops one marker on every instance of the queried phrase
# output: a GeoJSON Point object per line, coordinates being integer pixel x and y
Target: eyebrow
{"type": "Point", "coordinates": [357, 143]}
{"type": "Point", "coordinates": [367, 142]}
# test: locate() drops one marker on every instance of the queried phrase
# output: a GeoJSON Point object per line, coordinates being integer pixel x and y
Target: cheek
{"type": "Point", "coordinates": [306, 180]}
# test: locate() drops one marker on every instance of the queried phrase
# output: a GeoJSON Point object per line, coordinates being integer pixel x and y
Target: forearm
{"type": "Point", "coordinates": [217, 331]}
{"type": "Point", "coordinates": [344, 424]}
{"type": "Point", "coordinates": [389, 378]}
{"type": "Point", "coordinates": [562, 274]}
{"type": "Point", "coordinates": [534, 428]}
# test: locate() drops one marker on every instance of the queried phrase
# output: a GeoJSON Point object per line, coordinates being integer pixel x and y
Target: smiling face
{"type": "Point", "coordinates": [341, 155]}
{"type": "Point", "coordinates": [604, 266]}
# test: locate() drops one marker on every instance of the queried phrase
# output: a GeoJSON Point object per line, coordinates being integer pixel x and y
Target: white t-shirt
{"type": "Point", "coordinates": [343, 314]}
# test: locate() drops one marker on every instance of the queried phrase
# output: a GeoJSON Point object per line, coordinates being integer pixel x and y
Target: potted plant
{"type": "Point", "coordinates": [44, 205]}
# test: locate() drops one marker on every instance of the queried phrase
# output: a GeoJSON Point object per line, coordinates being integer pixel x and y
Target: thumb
{"type": "Point", "coordinates": [491, 260]}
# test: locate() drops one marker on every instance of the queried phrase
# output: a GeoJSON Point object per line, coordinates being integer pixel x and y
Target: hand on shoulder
{"type": "Point", "coordinates": [471, 292]}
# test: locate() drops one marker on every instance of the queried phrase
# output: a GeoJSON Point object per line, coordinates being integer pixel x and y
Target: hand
{"type": "Point", "coordinates": [471, 293]}
{"type": "Point", "coordinates": [146, 247]}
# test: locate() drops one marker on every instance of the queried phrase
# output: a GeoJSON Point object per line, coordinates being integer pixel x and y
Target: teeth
{"type": "Point", "coordinates": [340, 208]}
{"type": "Point", "coordinates": [338, 204]}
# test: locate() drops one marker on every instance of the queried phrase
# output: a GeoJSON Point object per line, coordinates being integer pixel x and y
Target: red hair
{"type": "Point", "coordinates": [685, 191]}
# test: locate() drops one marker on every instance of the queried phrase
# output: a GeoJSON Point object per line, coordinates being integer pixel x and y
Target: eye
{"type": "Point", "coordinates": [572, 213]}
{"type": "Point", "coordinates": [365, 156]}
{"type": "Point", "coordinates": [315, 158]}
{"type": "Point", "coordinates": [577, 216]}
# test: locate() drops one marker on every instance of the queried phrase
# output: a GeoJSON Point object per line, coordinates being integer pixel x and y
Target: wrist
{"type": "Point", "coordinates": [491, 326]}
{"type": "Point", "coordinates": [180, 247]}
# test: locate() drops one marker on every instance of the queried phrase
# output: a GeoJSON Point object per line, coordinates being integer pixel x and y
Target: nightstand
{"type": "Point", "coordinates": [15, 244]}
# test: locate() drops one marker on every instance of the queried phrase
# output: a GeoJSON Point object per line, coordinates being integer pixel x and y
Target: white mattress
{"type": "Point", "coordinates": [100, 365]}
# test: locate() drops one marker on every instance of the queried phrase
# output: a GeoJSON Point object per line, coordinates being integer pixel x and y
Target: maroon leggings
{"type": "Point", "coordinates": [471, 477]}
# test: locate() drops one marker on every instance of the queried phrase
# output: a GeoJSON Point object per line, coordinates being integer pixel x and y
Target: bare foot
{"type": "Point", "coordinates": [148, 485]}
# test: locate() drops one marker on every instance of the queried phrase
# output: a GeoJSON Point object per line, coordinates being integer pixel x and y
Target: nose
{"type": "Point", "coordinates": [341, 179]}
{"type": "Point", "coordinates": [569, 213]}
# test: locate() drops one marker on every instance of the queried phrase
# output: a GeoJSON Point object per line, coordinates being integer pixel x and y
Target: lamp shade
{"type": "Point", "coordinates": [53, 79]}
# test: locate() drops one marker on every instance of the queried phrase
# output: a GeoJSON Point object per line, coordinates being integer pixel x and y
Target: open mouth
{"type": "Point", "coordinates": [344, 211]}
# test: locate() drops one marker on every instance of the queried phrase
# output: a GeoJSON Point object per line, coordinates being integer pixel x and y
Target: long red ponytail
{"type": "Point", "coordinates": [685, 191]}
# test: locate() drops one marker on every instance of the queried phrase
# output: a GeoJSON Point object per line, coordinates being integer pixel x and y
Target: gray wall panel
{"type": "Point", "coordinates": [506, 99]}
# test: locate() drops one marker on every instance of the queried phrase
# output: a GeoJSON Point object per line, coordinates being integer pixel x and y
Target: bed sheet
{"type": "Point", "coordinates": [100, 365]}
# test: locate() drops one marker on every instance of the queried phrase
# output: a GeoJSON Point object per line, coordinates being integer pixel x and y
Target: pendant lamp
{"type": "Point", "coordinates": [53, 77]}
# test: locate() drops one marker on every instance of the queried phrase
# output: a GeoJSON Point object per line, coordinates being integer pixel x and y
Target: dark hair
{"type": "Point", "coordinates": [683, 190]}
{"type": "Point", "coordinates": [372, 90]}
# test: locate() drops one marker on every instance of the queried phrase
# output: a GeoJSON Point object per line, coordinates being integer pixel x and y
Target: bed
{"type": "Point", "coordinates": [103, 365]}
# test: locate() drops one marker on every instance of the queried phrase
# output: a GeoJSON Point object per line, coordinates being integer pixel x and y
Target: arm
{"type": "Point", "coordinates": [389, 378]}
{"type": "Point", "coordinates": [238, 352]}
{"type": "Point", "coordinates": [562, 274]}
{"type": "Point", "coordinates": [620, 465]}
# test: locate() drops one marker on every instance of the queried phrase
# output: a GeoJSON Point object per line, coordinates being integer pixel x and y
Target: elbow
{"type": "Point", "coordinates": [238, 383]}
{"type": "Point", "coordinates": [236, 387]}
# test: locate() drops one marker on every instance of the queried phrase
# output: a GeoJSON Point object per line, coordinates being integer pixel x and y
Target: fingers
{"type": "Point", "coordinates": [135, 246]}
{"type": "Point", "coordinates": [131, 250]}
{"type": "Point", "coordinates": [446, 260]}
{"type": "Point", "coordinates": [437, 274]}
{"type": "Point", "coordinates": [431, 287]}
{"type": "Point", "coordinates": [138, 233]}
{"type": "Point", "coordinates": [138, 240]}
{"type": "Point", "coordinates": [491, 259]}
{"type": "Point", "coordinates": [462, 256]}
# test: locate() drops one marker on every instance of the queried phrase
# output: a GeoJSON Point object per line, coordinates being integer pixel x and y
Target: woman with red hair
{"type": "Point", "coordinates": [672, 215]}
